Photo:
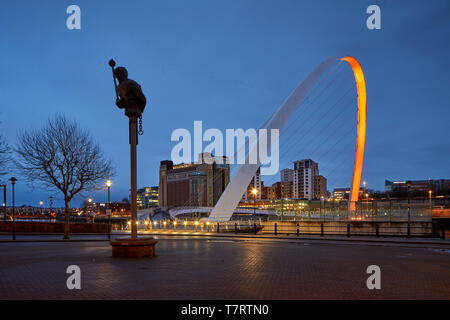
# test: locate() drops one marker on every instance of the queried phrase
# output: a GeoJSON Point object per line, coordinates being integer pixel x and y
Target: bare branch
{"type": "Point", "coordinates": [62, 156]}
{"type": "Point", "coordinates": [4, 156]}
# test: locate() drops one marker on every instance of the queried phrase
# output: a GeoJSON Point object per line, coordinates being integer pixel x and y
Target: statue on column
{"type": "Point", "coordinates": [130, 95]}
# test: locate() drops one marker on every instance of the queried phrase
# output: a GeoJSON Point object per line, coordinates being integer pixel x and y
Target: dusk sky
{"type": "Point", "coordinates": [230, 64]}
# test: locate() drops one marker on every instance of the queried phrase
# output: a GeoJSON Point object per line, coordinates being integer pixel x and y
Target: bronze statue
{"type": "Point", "coordinates": [130, 92]}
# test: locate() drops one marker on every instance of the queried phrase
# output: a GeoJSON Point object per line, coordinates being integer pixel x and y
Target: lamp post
{"type": "Point", "coordinates": [409, 210]}
{"type": "Point", "coordinates": [367, 204]}
{"type": "Point", "coordinates": [321, 207]}
{"type": "Point", "coordinates": [89, 209]}
{"type": "Point", "coordinates": [429, 193]}
{"type": "Point", "coordinates": [13, 182]}
{"type": "Point", "coordinates": [109, 184]}
{"type": "Point", "coordinates": [41, 203]}
{"type": "Point", "coordinates": [4, 201]}
{"type": "Point", "coordinates": [365, 185]}
{"type": "Point", "coordinates": [255, 192]}
{"type": "Point", "coordinates": [51, 204]}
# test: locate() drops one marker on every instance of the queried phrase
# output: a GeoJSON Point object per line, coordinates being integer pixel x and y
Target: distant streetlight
{"type": "Point", "coordinates": [367, 202]}
{"type": "Point", "coordinates": [255, 192]}
{"type": "Point", "coordinates": [89, 208]}
{"type": "Point", "coordinates": [41, 203]}
{"type": "Point", "coordinates": [13, 182]}
{"type": "Point", "coordinates": [51, 204]}
{"type": "Point", "coordinates": [365, 185]}
{"type": "Point", "coordinates": [321, 206]}
{"type": "Point", "coordinates": [429, 193]}
{"type": "Point", "coordinates": [108, 185]}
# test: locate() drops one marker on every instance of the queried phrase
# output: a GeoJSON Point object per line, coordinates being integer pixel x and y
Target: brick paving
{"type": "Point", "coordinates": [225, 268]}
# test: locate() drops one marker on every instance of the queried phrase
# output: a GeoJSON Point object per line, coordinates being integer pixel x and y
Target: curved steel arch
{"type": "Point", "coordinates": [361, 131]}
{"type": "Point", "coordinates": [233, 193]}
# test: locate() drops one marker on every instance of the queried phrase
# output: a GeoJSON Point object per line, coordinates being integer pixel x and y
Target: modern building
{"type": "Point", "coordinates": [341, 194]}
{"type": "Point", "coordinates": [286, 175]}
{"type": "Point", "coordinates": [320, 187]}
{"type": "Point", "coordinates": [255, 183]}
{"type": "Point", "coordinates": [147, 197]}
{"type": "Point", "coordinates": [287, 180]}
{"type": "Point", "coordinates": [278, 190]}
{"type": "Point", "coordinates": [194, 184]}
{"type": "Point", "coordinates": [418, 186]}
{"type": "Point", "coordinates": [117, 208]}
{"type": "Point", "coordinates": [304, 180]}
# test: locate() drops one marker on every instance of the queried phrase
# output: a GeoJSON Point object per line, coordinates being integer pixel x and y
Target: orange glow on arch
{"type": "Point", "coordinates": [361, 131]}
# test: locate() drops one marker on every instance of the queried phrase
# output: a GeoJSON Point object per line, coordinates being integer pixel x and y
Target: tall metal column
{"type": "Point", "coordinates": [133, 175]}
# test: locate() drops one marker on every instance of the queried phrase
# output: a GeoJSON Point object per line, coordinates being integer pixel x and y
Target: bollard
{"type": "Point", "coordinates": [254, 227]}
{"type": "Point", "coordinates": [275, 228]}
{"type": "Point", "coordinates": [218, 228]}
{"type": "Point", "coordinates": [377, 230]}
{"type": "Point", "coordinates": [435, 230]}
{"type": "Point", "coordinates": [321, 229]}
{"type": "Point", "coordinates": [235, 227]}
{"type": "Point", "coordinates": [348, 230]}
{"type": "Point", "coordinates": [298, 229]}
{"type": "Point", "coordinates": [408, 235]}
{"type": "Point", "coordinates": [443, 232]}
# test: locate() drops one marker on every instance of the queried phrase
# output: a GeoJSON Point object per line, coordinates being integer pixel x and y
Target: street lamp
{"type": "Point", "coordinates": [108, 185]}
{"type": "Point", "coordinates": [13, 182]}
{"type": "Point", "coordinates": [321, 207]}
{"type": "Point", "coordinates": [41, 203]}
{"type": "Point", "coordinates": [429, 193]}
{"type": "Point", "coordinates": [89, 209]}
{"type": "Point", "coordinates": [255, 192]}
{"type": "Point", "coordinates": [367, 203]}
{"type": "Point", "coordinates": [51, 205]}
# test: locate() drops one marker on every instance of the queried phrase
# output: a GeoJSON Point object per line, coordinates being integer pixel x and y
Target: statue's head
{"type": "Point", "coordinates": [121, 73]}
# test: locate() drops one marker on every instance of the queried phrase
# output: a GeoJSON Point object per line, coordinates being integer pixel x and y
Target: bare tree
{"type": "Point", "coordinates": [4, 156]}
{"type": "Point", "coordinates": [62, 156]}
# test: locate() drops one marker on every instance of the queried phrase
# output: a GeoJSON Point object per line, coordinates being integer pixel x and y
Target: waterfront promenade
{"type": "Point", "coordinates": [220, 267]}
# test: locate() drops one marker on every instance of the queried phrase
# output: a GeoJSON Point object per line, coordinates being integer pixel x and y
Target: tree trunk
{"type": "Point", "coordinates": [66, 218]}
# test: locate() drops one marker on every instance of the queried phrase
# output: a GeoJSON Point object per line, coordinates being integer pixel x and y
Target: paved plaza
{"type": "Point", "coordinates": [189, 267]}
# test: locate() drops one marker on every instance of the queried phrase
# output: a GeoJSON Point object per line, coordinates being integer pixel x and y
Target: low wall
{"type": "Point", "coordinates": [53, 227]}
{"type": "Point", "coordinates": [418, 228]}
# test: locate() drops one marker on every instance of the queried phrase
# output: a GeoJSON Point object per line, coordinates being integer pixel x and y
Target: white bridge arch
{"type": "Point", "coordinates": [229, 200]}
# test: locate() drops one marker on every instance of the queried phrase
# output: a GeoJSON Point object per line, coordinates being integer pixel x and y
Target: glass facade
{"type": "Point", "coordinates": [147, 197]}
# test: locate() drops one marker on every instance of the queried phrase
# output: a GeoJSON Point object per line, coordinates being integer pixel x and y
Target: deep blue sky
{"type": "Point", "coordinates": [230, 64]}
